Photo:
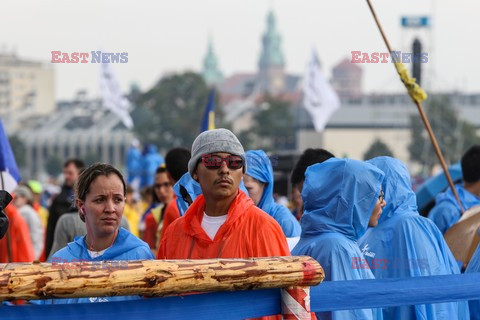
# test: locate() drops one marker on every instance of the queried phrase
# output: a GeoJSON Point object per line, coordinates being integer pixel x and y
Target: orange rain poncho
{"type": "Point", "coordinates": [20, 244]}
{"type": "Point", "coordinates": [171, 214]}
{"type": "Point", "coordinates": [247, 232]}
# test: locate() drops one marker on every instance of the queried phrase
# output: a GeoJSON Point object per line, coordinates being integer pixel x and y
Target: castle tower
{"type": "Point", "coordinates": [271, 75]}
{"type": "Point", "coordinates": [211, 72]}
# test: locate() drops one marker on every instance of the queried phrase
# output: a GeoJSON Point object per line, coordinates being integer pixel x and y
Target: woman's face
{"type": "Point", "coordinates": [254, 188]}
{"type": "Point", "coordinates": [377, 210]}
{"type": "Point", "coordinates": [103, 206]}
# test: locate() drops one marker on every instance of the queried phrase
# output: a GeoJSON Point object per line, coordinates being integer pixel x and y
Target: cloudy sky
{"type": "Point", "coordinates": [171, 36]}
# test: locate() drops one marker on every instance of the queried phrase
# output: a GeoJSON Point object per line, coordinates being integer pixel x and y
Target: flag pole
{"type": "Point", "coordinates": [418, 95]}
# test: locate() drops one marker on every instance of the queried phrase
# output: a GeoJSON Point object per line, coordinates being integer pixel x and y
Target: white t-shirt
{"type": "Point", "coordinates": [212, 224]}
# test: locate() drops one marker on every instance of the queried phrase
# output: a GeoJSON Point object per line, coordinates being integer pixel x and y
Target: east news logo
{"type": "Point", "coordinates": [83, 57]}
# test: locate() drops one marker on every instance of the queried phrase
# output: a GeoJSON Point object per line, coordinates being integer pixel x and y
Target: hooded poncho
{"type": "Point", "coordinates": [339, 196]}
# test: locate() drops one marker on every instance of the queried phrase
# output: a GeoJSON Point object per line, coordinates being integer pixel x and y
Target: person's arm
{"type": "Point", "coordinates": [162, 248]}
{"type": "Point", "coordinates": [443, 215]}
{"type": "Point", "coordinates": [269, 240]}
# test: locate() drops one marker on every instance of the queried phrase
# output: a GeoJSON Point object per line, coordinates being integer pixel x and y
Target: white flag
{"type": "Point", "coordinates": [319, 98]}
{"type": "Point", "coordinates": [112, 97]}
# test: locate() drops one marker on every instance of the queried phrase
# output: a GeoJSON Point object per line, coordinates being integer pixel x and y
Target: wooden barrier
{"type": "Point", "coordinates": [154, 277]}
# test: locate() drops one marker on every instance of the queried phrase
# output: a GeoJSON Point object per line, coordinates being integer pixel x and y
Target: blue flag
{"type": "Point", "coordinates": [9, 174]}
{"type": "Point", "coordinates": [208, 121]}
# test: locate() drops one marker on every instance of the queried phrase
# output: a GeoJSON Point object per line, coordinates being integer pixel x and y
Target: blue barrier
{"type": "Point", "coordinates": [338, 295]}
{"type": "Point", "coordinates": [361, 294]}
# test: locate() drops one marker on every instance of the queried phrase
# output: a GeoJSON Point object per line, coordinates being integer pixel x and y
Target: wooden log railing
{"type": "Point", "coordinates": [153, 277]}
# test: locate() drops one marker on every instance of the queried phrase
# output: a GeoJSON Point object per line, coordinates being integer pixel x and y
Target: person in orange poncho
{"type": "Point", "coordinates": [176, 162]}
{"type": "Point", "coordinates": [222, 222]}
{"type": "Point", "coordinates": [154, 219]}
{"type": "Point", "coordinates": [21, 249]}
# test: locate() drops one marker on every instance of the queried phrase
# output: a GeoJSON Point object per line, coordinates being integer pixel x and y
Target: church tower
{"type": "Point", "coordinates": [211, 72]}
{"type": "Point", "coordinates": [271, 75]}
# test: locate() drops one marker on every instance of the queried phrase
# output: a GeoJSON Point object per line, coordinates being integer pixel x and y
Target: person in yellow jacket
{"type": "Point", "coordinates": [37, 190]}
{"type": "Point", "coordinates": [132, 212]}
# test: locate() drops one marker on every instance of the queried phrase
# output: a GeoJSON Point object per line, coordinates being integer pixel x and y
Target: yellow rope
{"type": "Point", "coordinates": [414, 90]}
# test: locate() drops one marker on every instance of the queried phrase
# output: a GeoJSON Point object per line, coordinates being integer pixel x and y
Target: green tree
{"type": "Point", "coordinates": [377, 149]}
{"type": "Point", "coordinates": [273, 125]}
{"type": "Point", "coordinates": [53, 165]}
{"type": "Point", "coordinates": [19, 150]}
{"type": "Point", "coordinates": [454, 136]}
{"type": "Point", "coordinates": [169, 115]}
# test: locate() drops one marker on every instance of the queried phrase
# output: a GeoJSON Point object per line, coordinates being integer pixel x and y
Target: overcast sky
{"type": "Point", "coordinates": [171, 36]}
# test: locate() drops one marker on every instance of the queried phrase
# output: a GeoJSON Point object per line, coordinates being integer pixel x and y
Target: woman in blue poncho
{"type": "Point", "coordinates": [259, 182]}
{"type": "Point", "coordinates": [100, 198]}
{"type": "Point", "coordinates": [411, 245]}
{"type": "Point", "coordinates": [341, 197]}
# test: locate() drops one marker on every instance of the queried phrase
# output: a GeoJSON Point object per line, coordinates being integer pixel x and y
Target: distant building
{"type": "Point", "coordinates": [360, 120]}
{"type": "Point", "coordinates": [26, 87]}
{"type": "Point", "coordinates": [358, 123]}
{"type": "Point", "coordinates": [80, 128]}
{"type": "Point", "coordinates": [347, 79]}
{"type": "Point", "coordinates": [271, 65]}
{"type": "Point", "coordinates": [242, 93]}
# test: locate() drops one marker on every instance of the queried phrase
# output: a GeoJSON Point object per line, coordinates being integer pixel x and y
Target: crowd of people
{"type": "Point", "coordinates": [358, 219]}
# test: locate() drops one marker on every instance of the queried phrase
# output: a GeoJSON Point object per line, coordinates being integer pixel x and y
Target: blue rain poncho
{"type": "Point", "coordinates": [193, 189]}
{"type": "Point", "coordinates": [134, 164]}
{"type": "Point", "coordinates": [339, 196]}
{"type": "Point", "coordinates": [474, 266]}
{"type": "Point", "coordinates": [259, 167]}
{"type": "Point", "coordinates": [405, 244]}
{"type": "Point", "coordinates": [151, 160]}
{"type": "Point", "coordinates": [125, 247]}
{"type": "Point", "coordinates": [446, 211]}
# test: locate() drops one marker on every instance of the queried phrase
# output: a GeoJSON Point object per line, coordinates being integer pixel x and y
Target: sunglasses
{"type": "Point", "coordinates": [381, 196]}
{"type": "Point", "coordinates": [211, 161]}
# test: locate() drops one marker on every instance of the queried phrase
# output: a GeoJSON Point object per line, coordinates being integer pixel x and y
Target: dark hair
{"type": "Point", "coordinates": [471, 164]}
{"type": "Point", "coordinates": [161, 169]}
{"type": "Point", "coordinates": [176, 161]}
{"type": "Point", "coordinates": [85, 179]}
{"type": "Point", "coordinates": [308, 158]}
{"type": "Point", "coordinates": [79, 164]}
